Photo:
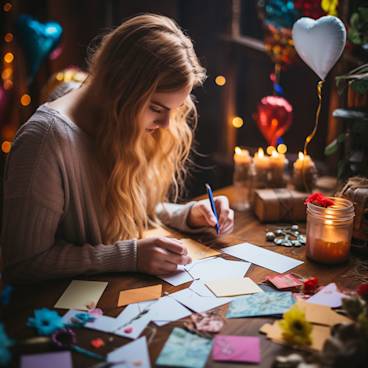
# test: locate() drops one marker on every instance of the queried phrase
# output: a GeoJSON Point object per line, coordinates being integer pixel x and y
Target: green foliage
{"type": "Point", "coordinates": [358, 32]}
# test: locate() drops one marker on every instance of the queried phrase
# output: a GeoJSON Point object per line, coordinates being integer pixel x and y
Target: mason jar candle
{"type": "Point", "coordinates": [329, 231]}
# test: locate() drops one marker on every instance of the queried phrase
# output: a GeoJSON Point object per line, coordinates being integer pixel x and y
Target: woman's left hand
{"type": "Point", "coordinates": [201, 215]}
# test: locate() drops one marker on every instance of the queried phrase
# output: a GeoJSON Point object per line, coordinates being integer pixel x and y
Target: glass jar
{"type": "Point", "coordinates": [242, 180]}
{"type": "Point", "coordinates": [329, 231]}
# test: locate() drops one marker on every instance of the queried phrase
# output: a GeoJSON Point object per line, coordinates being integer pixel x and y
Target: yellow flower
{"type": "Point", "coordinates": [296, 330]}
{"type": "Point", "coordinates": [329, 6]}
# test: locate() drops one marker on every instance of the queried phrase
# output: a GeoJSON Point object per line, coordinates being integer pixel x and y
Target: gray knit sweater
{"type": "Point", "coordinates": [51, 215]}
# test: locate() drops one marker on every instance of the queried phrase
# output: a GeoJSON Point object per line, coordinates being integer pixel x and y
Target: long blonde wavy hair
{"type": "Point", "coordinates": [145, 54]}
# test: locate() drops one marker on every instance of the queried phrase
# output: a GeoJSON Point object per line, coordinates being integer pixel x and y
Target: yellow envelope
{"type": "Point", "coordinates": [139, 295]}
{"type": "Point", "coordinates": [197, 250]}
{"type": "Point", "coordinates": [233, 287]}
{"type": "Point", "coordinates": [81, 293]}
{"type": "Point", "coordinates": [321, 314]}
{"type": "Point", "coordinates": [319, 334]}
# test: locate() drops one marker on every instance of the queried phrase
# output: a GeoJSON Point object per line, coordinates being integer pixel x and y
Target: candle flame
{"type": "Point", "coordinates": [260, 152]}
{"type": "Point", "coordinates": [238, 150]}
{"type": "Point", "coordinates": [301, 156]}
{"type": "Point", "coordinates": [274, 154]}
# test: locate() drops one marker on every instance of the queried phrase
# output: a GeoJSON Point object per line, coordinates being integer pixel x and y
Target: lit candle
{"type": "Point", "coordinates": [241, 156]}
{"type": "Point", "coordinates": [305, 173]}
{"type": "Point", "coordinates": [277, 170]}
{"type": "Point", "coordinates": [261, 161]}
{"type": "Point", "coordinates": [262, 165]}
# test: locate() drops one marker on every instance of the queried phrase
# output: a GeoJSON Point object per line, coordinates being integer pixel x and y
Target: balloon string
{"type": "Point", "coordinates": [310, 136]}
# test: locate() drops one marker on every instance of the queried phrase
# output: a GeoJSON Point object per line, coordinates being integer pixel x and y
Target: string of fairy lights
{"type": "Point", "coordinates": [8, 69]}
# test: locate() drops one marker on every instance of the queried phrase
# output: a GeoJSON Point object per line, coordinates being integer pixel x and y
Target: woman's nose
{"type": "Point", "coordinates": [164, 121]}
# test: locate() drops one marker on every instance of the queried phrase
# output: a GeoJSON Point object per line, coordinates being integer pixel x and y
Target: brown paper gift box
{"type": "Point", "coordinates": [279, 205]}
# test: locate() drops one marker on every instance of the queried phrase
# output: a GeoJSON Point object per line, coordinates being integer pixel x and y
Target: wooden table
{"type": "Point", "coordinates": [247, 228]}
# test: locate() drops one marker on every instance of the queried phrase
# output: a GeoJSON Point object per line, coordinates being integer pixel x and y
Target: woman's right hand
{"type": "Point", "coordinates": [161, 255]}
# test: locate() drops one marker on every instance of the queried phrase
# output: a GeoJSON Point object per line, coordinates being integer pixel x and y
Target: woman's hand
{"type": "Point", "coordinates": [160, 256]}
{"type": "Point", "coordinates": [201, 215]}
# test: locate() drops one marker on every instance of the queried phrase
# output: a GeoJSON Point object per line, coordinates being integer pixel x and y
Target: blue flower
{"type": "Point", "coordinates": [5, 344]}
{"type": "Point", "coordinates": [45, 321]}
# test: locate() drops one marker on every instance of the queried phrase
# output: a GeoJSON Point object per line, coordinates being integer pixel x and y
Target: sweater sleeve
{"type": "Point", "coordinates": [176, 216]}
{"type": "Point", "coordinates": [33, 207]}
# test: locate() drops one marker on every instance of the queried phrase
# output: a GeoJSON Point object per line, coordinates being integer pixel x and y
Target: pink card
{"type": "Point", "coordinates": [236, 349]}
{"type": "Point", "coordinates": [285, 281]}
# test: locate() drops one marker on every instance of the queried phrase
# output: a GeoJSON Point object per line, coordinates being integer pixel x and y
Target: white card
{"type": "Point", "coordinates": [167, 310]}
{"type": "Point", "coordinates": [101, 323]}
{"type": "Point", "coordinates": [132, 321]}
{"type": "Point", "coordinates": [329, 295]}
{"type": "Point", "coordinates": [262, 257]}
{"type": "Point", "coordinates": [181, 276]}
{"type": "Point", "coordinates": [132, 355]}
{"type": "Point", "coordinates": [215, 268]}
{"type": "Point", "coordinates": [198, 298]}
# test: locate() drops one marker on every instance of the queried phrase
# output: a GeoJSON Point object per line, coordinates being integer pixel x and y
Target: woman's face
{"type": "Point", "coordinates": [156, 114]}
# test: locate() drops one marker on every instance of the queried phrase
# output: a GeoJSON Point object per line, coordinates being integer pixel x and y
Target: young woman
{"type": "Point", "coordinates": [90, 171]}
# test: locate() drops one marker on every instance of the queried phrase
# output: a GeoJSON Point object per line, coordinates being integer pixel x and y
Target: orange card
{"type": "Point", "coordinates": [321, 314]}
{"type": "Point", "coordinates": [139, 295]}
{"type": "Point", "coordinates": [319, 334]}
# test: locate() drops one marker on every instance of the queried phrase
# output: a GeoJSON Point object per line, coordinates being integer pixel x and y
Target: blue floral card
{"type": "Point", "coordinates": [185, 349]}
{"type": "Point", "coordinates": [261, 304]}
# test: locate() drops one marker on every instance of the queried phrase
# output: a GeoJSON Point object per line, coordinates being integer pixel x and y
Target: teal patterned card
{"type": "Point", "coordinates": [260, 304]}
{"type": "Point", "coordinates": [184, 349]}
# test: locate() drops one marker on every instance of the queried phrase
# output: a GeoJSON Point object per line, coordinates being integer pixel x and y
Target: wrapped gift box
{"type": "Point", "coordinates": [276, 205]}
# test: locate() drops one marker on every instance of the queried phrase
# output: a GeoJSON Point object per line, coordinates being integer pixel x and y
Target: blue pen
{"type": "Point", "coordinates": [210, 197]}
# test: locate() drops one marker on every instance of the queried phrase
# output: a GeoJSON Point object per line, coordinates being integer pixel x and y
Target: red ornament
{"type": "Point", "coordinates": [274, 118]}
{"type": "Point", "coordinates": [319, 200]}
{"type": "Point", "coordinates": [310, 285]}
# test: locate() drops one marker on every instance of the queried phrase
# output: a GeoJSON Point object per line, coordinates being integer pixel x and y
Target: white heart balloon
{"type": "Point", "coordinates": [320, 42]}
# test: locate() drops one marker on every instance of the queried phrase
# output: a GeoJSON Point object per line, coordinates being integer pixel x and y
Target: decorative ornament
{"type": "Point", "coordinates": [286, 236]}
{"type": "Point", "coordinates": [38, 40]}
{"type": "Point", "coordinates": [274, 117]}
